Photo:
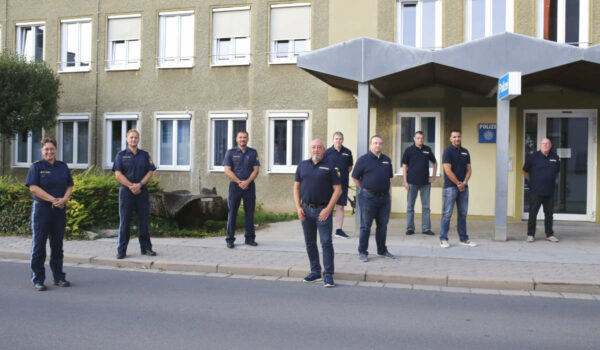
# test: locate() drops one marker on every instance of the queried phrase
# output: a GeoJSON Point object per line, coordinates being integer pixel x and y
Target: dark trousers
{"type": "Point", "coordinates": [535, 202]}
{"type": "Point", "coordinates": [373, 207]}
{"type": "Point", "coordinates": [127, 202]}
{"type": "Point", "coordinates": [235, 196]}
{"type": "Point", "coordinates": [47, 222]}
{"type": "Point", "coordinates": [310, 226]}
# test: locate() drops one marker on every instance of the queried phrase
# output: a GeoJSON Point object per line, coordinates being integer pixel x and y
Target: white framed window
{"type": "Point", "coordinates": [74, 140]}
{"type": "Point", "coordinates": [407, 123]}
{"type": "Point", "coordinates": [488, 17]}
{"type": "Point", "coordinates": [76, 45]}
{"type": "Point", "coordinates": [419, 23]}
{"type": "Point", "coordinates": [564, 21]}
{"type": "Point", "coordinates": [174, 141]}
{"type": "Point", "coordinates": [290, 31]}
{"type": "Point", "coordinates": [30, 40]}
{"type": "Point", "coordinates": [231, 36]}
{"type": "Point", "coordinates": [116, 129]}
{"type": "Point", "coordinates": [288, 140]}
{"type": "Point", "coordinates": [176, 39]}
{"type": "Point", "coordinates": [27, 148]}
{"type": "Point", "coordinates": [223, 131]}
{"type": "Point", "coordinates": [124, 40]}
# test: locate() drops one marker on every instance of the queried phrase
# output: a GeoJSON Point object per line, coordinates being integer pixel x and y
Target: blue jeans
{"type": "Point", "coordinates": [235, 196]}
{"type": "Point", "coordinates": [411, 198]}
{"type": "Point", "coordinates": [376, 208]}
{"type": "Point", "coordinates": [453, 195]}
{"type": "Point", "coordinates": [310, 226]}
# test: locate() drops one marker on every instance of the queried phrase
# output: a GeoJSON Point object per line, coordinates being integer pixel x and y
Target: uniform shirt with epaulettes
{"type": "Point", "coordinates": [542, 171]}
{"type": "Point", "coordinates": [133, 166]}
{"type": "Point", "coordinates": [316, 181]}
{"type": "Point", "coordinates": [242, 163]}
{"type": "Point", "coordinates": [54, 179]}
{"type": "Point", "coordinates": [374, 172]}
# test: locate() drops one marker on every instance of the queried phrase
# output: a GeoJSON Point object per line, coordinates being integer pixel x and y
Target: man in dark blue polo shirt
{"type": "Point", "coordinates": [133, 169]}
{"type": "Point", "coordinates": [541, 169]}
{"type": "Point", "coordinates": [342, 158]}
{"type": "Point", "coordinates": [415, 167]}
{"type": "Point", "coordinates": [372, 173]}
{"type": "Point", "coordinates": [457, 172]}
{"type": "Point", "coordinates": [316, 190]}
{"type": "Point", "coordinates": [241, 167]}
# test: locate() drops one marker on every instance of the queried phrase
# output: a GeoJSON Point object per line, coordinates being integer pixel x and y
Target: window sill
{"type": "Point", "coordinates": [117, 69]}
{"type": "Point", "coordinates": [78, 166]}
{"type": "Point", "coordinates": [282, 171]}
{"type": "Point", "coordinates": [165, 168]}
{"type": "Point", "coordinates": [176, 67]}
{"type": "Point", "coordinates": [282, 62]}
{"type": "Point", "coordinates": [21, 166]}
{"type": "Point", "coordinates": [75, 71]}
{"type": "Point", "coordinates": [216, 170]}
{"type": "Point", "coordinates": [245, 63]}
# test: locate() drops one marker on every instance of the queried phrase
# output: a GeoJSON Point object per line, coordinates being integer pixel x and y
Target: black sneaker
{"type": "Point", "coordinates": [40, 287]}
{"type": "Point", "coordinates": [328, 281]}
{"type": "Point", "coordinates": [230, 245]}
{"type": "Point", "coordinates": [251, 243]}
{"type": "Point", "coordinates": [62, 283]}
{"type": "Point", "coordinates": [340, 233]}
{"type": "Point", "coordinates": [387, 255]}
{"type": "Point", "coordinates": [312, 277]}
{"type": "Point", "coordinates": [410, 232]}
{"type": "Point", "coordinates": [148, 252]}
{"type": "Point", "coordinates": [121, 256]}
{"type": "Point", "coordinates": [429, 233]}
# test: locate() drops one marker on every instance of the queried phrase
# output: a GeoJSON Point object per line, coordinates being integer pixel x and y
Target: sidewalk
{"type": "Point", "coordinates": [573, 265]}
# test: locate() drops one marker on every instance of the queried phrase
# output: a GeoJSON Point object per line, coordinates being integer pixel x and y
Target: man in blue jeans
{"type": "Point", "coordinates": [457, 172]}
{"type": "Point", "coordinates": [415, 167]}
{"type": "Point", "coordinates": [372, 173]}
{"type": "Point", "coordinates": [317, 187]}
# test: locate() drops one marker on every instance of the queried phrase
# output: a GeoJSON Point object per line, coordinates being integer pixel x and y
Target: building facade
{"type": "Point", "coordinates": [188, 74]}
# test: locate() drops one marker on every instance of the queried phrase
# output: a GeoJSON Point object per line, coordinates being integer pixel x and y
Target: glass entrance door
{"type": "Point", "coordinates": [573, 136]}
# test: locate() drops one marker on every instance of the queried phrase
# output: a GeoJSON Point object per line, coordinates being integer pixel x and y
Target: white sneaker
{"type": "Point", "coordinates": [530, 239]}
{"type": "Point", "coordinates": [468, 243]}
{"type": "Point", "coordinates": [552, 239]}
{"type": "Point", "coordinates": [444, 244]}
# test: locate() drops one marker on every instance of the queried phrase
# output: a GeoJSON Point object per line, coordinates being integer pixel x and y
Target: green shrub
{"type": "Point", "coordinates": [15, 207]}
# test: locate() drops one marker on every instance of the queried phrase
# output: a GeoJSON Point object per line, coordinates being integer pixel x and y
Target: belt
{"type": "Point", "coordinates": [315, 205]}
{"type": "Point", "coordinates": [44, 203]}
{"type": "Point", "coordinates": [378, 194]}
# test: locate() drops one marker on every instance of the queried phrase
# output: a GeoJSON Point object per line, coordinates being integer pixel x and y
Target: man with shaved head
{"type": "Point", "coordinates": [541, 169]}
{"type": "Point", "coordinates": [317, 187]}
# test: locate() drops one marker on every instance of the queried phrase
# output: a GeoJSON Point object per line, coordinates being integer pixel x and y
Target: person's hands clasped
{"type": "Point", "coordinates": [243, 184]}
{"type": "Point", "coordinates": [136, 188]}
{"type": "Point", "coordinates": [59, 202]}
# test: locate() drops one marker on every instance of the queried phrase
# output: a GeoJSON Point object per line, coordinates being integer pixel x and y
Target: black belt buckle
{"type": "Point", "coordinates": [314, 205]}
{"type": "Point", "coordinates": [378, 194]}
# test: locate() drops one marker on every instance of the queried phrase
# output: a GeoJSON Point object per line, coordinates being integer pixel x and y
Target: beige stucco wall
{"type": "Point", "coordinates": [482, 185]}
{"type": "Point", "coordinates": [453, 31]}
{"type": "Point", "coordinates": [352, 19]}
{"type": "Point", "coordinates": [525, 17]}
{"type": "Point", "coordinates": [595, 22]}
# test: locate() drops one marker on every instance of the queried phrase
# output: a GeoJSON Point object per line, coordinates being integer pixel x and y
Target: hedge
{"type": "Point", "coordinates": [94, 202]}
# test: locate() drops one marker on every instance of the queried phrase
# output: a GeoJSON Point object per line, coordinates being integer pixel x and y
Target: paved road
{"type": "Point", "coordinates": [107, 309]}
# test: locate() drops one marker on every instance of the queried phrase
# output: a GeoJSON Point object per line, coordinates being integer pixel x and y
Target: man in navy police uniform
{"type": "Point", "coordinates": [241, 167]}
{"type": "Point", "coordinates": [541, 169]}
{"type": "Point", "coordinates": [456, 161]}
{"type": "Point", "coordinates": [316, 190]}
{"type": "Point", "coordinates": [415, 167]}
{"type": "Point", "coordinates": [133, 169]}
{"type": "Point", "coordinates": [342, 158]}
{"type": "Point", "coordinates": [372, 173]}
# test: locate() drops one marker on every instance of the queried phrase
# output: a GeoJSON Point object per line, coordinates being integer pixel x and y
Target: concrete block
{"type": "Point", "coordinates": [185, 266]}
{"type": "Point", "coordinates": [299, 272]}
{"type": "Point", "coordinates": [485, 291]}
{"type": "Point", "coordinates": [499, 282]}
{"type": "Point", "coordinates": [346, 283]}
{"type": "Point", "coordinates": [580, 296]}
{"type": "Point", "coordinates": [370, 284]}
{"type": "Point", "coordinates": [574, 286]}
{"type": "Point", "coordinates": [114, 262]}
{"type": "Point", "coordinates": [217, 274]}
{"type": "Point", "coordinates": [291, 279]}
{"type": "Point", "coordinates": [350, 275]}
{"type": "Point", "coordinates": [266, 278]}
{"type": "Point", "coordinates": [436, 280]}
{"type": "Point", "coordinates": [242, 277]}
{"type": "Point", "coordinates": [516, 293]}
{"type": "Point", "coordinates": [77, 259]}
{"type": "Point", "coordinates": [399, 285]}
{"type": "Point", "coordinates": [535, 293]}
{"type": "Point", "coordinates": [279, 271]}
{"type": "Point", "coordinates": [455, 289]}
{"type": "Point", "coordinates": [427, 287]}
{"type": "Point", "coordinates": [11, 254]}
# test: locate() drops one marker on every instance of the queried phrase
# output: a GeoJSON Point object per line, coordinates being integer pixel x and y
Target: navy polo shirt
{"type": "Point", "coordinates": [374, 173]}
{"type": "Point", "coordinates": [242, 163]}
{"type": "Point", "coordinates": [342, 160]}
{"type": "Point", "coordinates": [543, 171]}
{"type": "Point", "coordinates": [458, 158]}
{"type": "Point", "coordinates": [52, 178]}
{"type": "Point", "coordinates": [417, 162]}
{"type": "Point", "coordinates": [316, 181]}
{"type": "Point", "coordinates": [133, 166]}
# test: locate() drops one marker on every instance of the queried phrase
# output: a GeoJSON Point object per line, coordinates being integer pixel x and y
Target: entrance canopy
{"type": "Point", "coordinates": [474, 66]}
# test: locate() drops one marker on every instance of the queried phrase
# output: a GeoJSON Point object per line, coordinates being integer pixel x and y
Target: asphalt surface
{"type": "Point", "coordinates": [110, 308]}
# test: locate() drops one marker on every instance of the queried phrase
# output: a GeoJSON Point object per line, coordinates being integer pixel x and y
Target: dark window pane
{"type": "Point", "coordinates": [409, 24]}
{"type": "Point", "coordinates": [407, 132]}
{"type": "Point", "coordinates": [39, 43]}
{"type": "Point", "coordinates": [166, 142]}
{"type": "Point", "coordinates": [220, 141]}
{"type": "Point", "coordinates": [572, 21]}
{"type": "Point", "coordinates": [280, 142]}
{"type": "Point", "coordinates": [82, 142]}
{"type": "Point", "coordinates": [238, 125]}
{"type": "Point", "coordinates": [530, 145]}
{"type": "Point", "coordinates": [183, 142]}
{"type": "Point", "coordinates": [36, 138]}
{"type": "Point", "coordinates": [67, 142]}
{"type": "Point", "coordinates": [21, 144]}
{"type": "Point", "coordinates": [116, 139]}
{"type": "Point", "coordinates": [297, 141]}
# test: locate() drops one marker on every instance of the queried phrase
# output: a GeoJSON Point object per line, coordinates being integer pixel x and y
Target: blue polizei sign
{"type": "Point", "coordinates": [509, 86]}
{"type": "Point", "coordinates": [487, 133]}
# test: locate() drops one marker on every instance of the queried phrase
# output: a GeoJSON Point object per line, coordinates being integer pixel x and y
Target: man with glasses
{"type": "Point", "coordinates": [541, 169]}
